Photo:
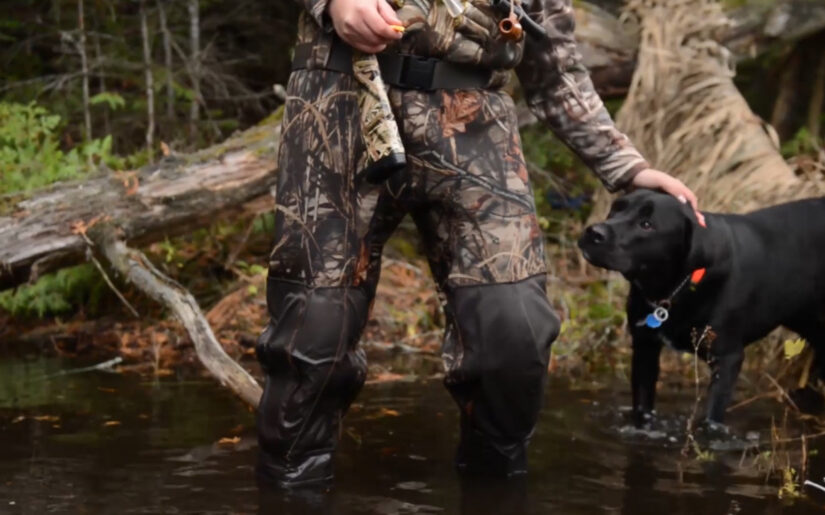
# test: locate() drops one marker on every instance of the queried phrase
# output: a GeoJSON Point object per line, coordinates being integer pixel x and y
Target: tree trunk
{"type": "Point", "coordinates": [84, 70]}
{"type": "Point", "coordinates": [150, 83]}
{"type": "Point", "coordinates": [101, 76]}
{"type": "Point", "coordinates": [180, 193]}
{"type": "Point", "coordinates": [167, 60]}
{"type": "Point", "coordinates": [194, 67]}
{"type": "Point", "coordinates": [783, 107]}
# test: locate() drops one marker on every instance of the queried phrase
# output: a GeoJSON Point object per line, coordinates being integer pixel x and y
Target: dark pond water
{"type": "Point", "coordinates": [98, 442]}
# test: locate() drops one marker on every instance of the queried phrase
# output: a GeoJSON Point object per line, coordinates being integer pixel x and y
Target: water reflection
{"type": "Point", "coordinates": [110, 443]}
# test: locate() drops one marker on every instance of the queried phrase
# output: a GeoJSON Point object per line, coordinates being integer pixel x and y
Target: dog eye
{"type": "Point", "coordinates": [646, 225]}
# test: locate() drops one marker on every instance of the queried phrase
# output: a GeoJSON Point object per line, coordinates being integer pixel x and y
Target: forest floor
{"type": "Point", "coordinates": [224, 270]}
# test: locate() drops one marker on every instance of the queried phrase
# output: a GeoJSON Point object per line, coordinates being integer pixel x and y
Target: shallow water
{"type": "Point", "coordinates": [98, 442]}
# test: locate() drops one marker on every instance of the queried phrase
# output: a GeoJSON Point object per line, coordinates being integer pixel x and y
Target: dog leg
{"type": "Point", "coordinates": [644, 374]}
{"type": "Point", "coordinates": [724, 372]}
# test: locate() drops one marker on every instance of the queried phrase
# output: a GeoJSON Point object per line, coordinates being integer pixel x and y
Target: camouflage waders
{"type": "Point", "coordinates": [467, 190]}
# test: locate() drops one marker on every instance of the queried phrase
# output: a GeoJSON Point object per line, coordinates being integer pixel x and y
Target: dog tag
{"type": "Point", "coordinates": [657, 318]}
{"type": "Point", "coordinates": [652, 322]}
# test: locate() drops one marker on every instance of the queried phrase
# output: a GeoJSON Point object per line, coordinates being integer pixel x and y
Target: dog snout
{"type": "Point", "coordinates": [598, 234]}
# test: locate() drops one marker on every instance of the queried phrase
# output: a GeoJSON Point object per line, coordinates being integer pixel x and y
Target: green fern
{"type": "Point", "coordinates": [62, 292]}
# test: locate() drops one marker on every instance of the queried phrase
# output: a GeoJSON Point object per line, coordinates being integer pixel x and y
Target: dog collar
{"type": "Point", "coordinates": [661, 309]}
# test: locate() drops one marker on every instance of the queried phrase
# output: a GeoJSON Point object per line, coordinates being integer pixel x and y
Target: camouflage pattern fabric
{"type": "Point", "coordinates": [467, 190]}
{"type": "Point", "coordinates": [466, 187]}
{"type": "Point", "coordinates": [556, 83]}
{"type": "Point", "coordinates": [377, 121]}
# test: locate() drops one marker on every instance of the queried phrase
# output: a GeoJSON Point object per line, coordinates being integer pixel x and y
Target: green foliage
{"type": "Point", "coordinates": [113, 100]}
{"type": "Point", "coordinates": [803, 142]}
{"type": "Point", "coordinates": [30, 153]}
{"type": "Point", "coordinates": [544, 150]}
{"type": "Point", "coordinates": [790, 484]}
{"type": "Point", "coordinates": [62, 292]}
{"type": "Point", "coordinates": [251, 270]}
{"type": "Point", "coordinates": [596, 321]}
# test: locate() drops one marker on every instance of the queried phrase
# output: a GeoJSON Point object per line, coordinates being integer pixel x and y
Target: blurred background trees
{"type": "Point", "coordinates": [134, 73]}
{"type": "Point", "coordinates": [104, 87]}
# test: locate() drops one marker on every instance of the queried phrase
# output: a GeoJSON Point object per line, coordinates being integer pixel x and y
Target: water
{"type": "Point", "coordinates": [108, 443]}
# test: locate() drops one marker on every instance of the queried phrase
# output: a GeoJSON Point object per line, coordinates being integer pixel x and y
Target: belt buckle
{"type": "Point", "coordinates": [417, 72]}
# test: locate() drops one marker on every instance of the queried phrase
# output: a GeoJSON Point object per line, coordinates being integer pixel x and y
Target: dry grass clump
{"type": "Point", "coordinates": [687, 117]}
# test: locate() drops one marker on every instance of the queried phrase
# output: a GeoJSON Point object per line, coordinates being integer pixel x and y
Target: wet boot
{"type": "Point", "coordinates": [498, 348]}
{"type": "Point", "coordinates": [480, 455]}
{"type": "Point", "coordinates": [314, 371]}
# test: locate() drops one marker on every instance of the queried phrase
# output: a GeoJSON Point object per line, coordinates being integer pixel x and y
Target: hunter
{"type": "Point", "coordinates": [466, 188]}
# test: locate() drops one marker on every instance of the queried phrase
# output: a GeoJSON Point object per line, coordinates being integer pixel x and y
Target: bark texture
{"type": "Point", "coordinates": [42, 233]}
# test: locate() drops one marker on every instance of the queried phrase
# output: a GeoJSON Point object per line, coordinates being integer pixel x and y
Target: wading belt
{"type": "Point", "coordinates": [402, 70]}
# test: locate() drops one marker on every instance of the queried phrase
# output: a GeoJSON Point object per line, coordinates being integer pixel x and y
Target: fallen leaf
{"type": "Point", "coordinates": [384, 377]}
{"type": "Point", "coordinates": [46, 418]}
{"type": "Point", "coordinates": [111, 423]}
{"type": "Point", "coordinates": [389, 412]}
{"type": "Point", "coordinates": [229, 441]}
{"type": "Point", "coordinates": [793, 347]}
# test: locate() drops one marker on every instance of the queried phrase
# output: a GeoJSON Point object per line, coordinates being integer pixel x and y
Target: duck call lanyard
{"type": "Point", "coordinates": [661, 309]}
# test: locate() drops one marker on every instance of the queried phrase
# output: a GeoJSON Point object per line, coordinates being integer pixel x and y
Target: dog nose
{"type": "Point", "coordinates": [597, 234]}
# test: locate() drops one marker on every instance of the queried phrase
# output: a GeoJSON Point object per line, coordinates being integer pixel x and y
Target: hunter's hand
{"type": "Point", "coordinates": [656, 180]}
{"type": "Point", "coordinates": [364, 24]}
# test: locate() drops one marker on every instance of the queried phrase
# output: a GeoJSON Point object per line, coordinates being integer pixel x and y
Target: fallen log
{"type": "Point", "coordinates": [70, 222]}
{"type": "Point", "coordinates": [43, 233]}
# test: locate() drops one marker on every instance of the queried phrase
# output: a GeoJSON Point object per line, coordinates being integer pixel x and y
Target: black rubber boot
{"type": "Point", "coordinates": [478, 455]}
{"type": "Point", "coordinates": [497, 349]}
{"type": "Point", "coordinates": [314, 371]}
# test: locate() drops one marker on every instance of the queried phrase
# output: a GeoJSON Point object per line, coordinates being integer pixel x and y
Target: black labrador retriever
{"type": "Point", "coordinates": [714, 289]}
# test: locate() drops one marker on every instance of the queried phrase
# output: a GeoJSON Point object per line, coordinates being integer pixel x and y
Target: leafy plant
{"type": "Point", "coordinates": [113, 100]}
{"type": "Point", "coordinates": [30, 152]}
{"type": "Point", "coordinates": [803, 142]}
{"type": "Point", "coordinates": [62, 292]}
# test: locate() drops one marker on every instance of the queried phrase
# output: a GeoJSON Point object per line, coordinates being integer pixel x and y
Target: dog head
{"type": "Point", "coordinates": [645, 230]}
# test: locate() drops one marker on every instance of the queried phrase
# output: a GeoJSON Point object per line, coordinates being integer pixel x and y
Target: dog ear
{"type": "Point", "coordinates": [697, 241]}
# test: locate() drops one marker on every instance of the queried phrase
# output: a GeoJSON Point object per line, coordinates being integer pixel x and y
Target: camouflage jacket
{"type": "Point", "coordinates": [555, 82]}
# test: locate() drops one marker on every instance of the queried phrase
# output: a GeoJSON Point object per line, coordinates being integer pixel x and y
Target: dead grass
{"type": "Point", "coordinates": [685, 114]}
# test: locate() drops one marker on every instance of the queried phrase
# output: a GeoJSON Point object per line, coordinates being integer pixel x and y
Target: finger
{"type": "Point", "coordinates": [367, 48]}
{"type": "Point", "coordinates": [380, 28]}
{"type": "Point", "coordinates": [388, 13]}
{"type": "Point", "coordinates": [691, 197]}
{"type": "Point", "coordinates": [687, 196]}
{"type": "Point", "coordinates": [353, 38]}
{"type": "Point", "coordinates": [365, 35]}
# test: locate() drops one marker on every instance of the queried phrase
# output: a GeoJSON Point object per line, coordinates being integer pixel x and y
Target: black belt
{"type": "Point", "coordinates": [403, 70]}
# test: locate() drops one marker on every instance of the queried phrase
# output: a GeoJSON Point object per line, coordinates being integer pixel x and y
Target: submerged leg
{"type": "Point", "coordinates": [330, 227]}
{"type": "Point", "coordinates": [314, 370]}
